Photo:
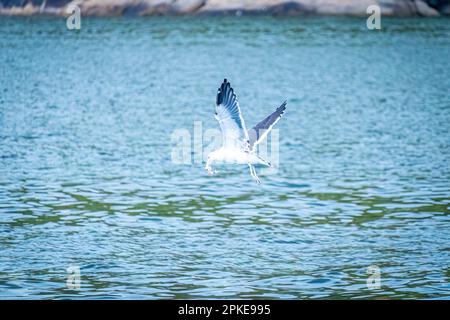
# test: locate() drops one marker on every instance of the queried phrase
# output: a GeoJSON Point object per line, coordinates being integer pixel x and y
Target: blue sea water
{"type": "Point", "coordinates": [87, 178]}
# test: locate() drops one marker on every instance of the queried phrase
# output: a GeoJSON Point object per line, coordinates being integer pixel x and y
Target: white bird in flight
{"type": "Point", "coordinates": [238, 143]}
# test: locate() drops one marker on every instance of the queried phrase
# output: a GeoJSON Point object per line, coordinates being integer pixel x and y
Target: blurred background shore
{"type": "Point", "coordinates": [398, 8]}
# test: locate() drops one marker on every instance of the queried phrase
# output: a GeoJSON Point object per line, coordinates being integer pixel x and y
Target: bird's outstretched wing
{"type": "Point", "coordinates": [260, 131]}
{"type": "Point", "coordinates": [228, 113]}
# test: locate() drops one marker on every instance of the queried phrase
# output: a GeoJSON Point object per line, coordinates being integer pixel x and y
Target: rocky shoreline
{"type": "Point", "coordinates": [399, 8]}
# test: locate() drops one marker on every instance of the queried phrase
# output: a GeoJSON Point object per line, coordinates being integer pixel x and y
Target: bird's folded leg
{"type": "Point", "coordinates": [253, 173]}
{"type": "Point", "coordinates": [257, 179]}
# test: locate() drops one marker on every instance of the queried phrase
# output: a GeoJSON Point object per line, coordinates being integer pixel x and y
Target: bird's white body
{"type": "Point", "coordinates": [230, 155]}
{"type": "Point", "coordinates": [235, 156]}
{"type": "Point", "coordinates": [238, 145]}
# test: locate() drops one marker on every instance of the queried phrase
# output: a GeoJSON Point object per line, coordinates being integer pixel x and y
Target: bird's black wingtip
{"type": "Point", "coordinates": [221, 93]}
{"type": "Point", "coordinates": [225, 83]}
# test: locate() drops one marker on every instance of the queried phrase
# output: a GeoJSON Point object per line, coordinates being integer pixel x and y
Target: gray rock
{"type": "Point", "coordinates": [215, 7]}
{"type": "Point", "coordinates": [424, 10]}
{"type": "Point", "coordinates": [186, 6]}
{"type": "Point", "coordinates": [153, 7]}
